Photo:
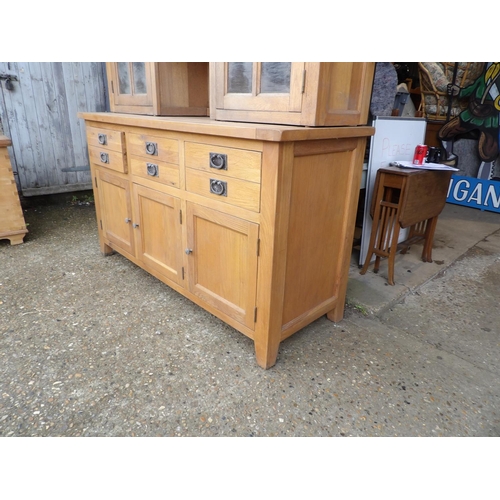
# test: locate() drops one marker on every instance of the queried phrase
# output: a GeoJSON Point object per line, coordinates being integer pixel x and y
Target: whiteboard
{"type": "Point", "coordinates": [395, 139]}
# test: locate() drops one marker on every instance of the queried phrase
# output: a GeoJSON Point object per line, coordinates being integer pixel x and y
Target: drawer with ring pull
{"type": "Point", "coordinates": [231, 162]}
{"type": "Point", "coordinates": [156, 148]}
{"type": "Point", "coordinates": [158, 171]}
{"type": "Point", "coordinates": [103, 157]}
{"type": "Point", "coordinates": [237, 192]}
{"type": "Point", "coordinates": [106, 139]}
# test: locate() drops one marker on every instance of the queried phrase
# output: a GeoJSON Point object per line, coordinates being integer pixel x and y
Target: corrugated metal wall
{"type": "Point", "coordinates": [39, 115]}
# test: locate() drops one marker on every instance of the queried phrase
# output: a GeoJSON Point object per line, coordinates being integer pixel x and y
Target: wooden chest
{"type": "Point", "coordinates": [254, 223]}
{"type": "Point", "coordinates": [12, 225]}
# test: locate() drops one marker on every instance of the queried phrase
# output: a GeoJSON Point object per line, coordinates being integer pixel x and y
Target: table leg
{"type": "Point", "coordinates": [429, 239]}
{"type": "Point", "coordinates": [392, 254]}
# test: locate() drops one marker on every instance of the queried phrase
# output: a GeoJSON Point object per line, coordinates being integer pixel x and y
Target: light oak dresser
{"type": "Point", "coordinates": [252, 222]}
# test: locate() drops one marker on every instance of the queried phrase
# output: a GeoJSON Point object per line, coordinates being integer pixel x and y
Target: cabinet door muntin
{"type": "Point", "coordinates": [258, 78]}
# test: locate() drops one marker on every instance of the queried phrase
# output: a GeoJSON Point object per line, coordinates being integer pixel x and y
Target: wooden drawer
{"type": "Point", "coordinates": [158, 171]}
{"type": "Point", "coordinates": [231, 162]}
{"type": "Point", "coordinates": [113, 160]}
{"type": "Point", "coordinates": [106, 139]}
{"type": "Point", "coordinates": [156, 147]}
{"type": "Point", "coordinates": [243, 194]}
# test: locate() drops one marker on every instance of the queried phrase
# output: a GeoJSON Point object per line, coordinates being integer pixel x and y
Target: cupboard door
{"type": "Point", "coordinates": [131, 84]}
{"type": "Point", "coordinates": [222, 261]}
{"type": "Point", "coordinates": [158, 231]}
{"type": "Point", "coordinates": [115, 210]}
{"type": "Point", "coordinates": [261, 86]}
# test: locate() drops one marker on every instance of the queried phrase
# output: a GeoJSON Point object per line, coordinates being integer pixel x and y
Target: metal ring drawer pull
{"type": "Point", "coordinates": [152, 148]}
{"type": "Point", "coordinates": [104, 157]}
{"type": "Point", "coordinates": [152, 169]}
{"type": "Point", "coordinates": [103, 139]}
{"type": "Point", "coordinates": [218, 161]}
{"type": "Point", "coordinates": [218, 187]}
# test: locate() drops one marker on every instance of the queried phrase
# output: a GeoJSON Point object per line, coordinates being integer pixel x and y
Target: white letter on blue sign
{"type": "Point", "coordinates": [455, 191]}
{"type": "Point", "coordinates": [476, 194]}
{"type": "Point", "coordinates": [494, 198]}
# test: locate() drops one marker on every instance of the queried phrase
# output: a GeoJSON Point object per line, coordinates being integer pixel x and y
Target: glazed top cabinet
{"type": "Point", "coordinates": [158, 88]}
{"type": "Point", "coordinates": [254, 223]}
{"type": "Point", "coordinates": [292, 93]}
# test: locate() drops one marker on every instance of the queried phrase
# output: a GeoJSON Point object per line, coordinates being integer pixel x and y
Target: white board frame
{"type": "Point", "coordinates": [395, 139]}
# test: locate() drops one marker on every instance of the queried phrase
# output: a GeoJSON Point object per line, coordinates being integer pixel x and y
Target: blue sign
{"type": "Point", "coordinates": [475, 193]}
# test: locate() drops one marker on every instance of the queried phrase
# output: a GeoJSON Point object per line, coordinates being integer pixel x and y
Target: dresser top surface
{"type": "Point", "coordinates": [205, 125]}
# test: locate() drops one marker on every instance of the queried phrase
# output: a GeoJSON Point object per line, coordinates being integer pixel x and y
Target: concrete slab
{"type": "Point", "coordinates": [95, 346]}
{"type": "Point", "coordinates": [459, 229]}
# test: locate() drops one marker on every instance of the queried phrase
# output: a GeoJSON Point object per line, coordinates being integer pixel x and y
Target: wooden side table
{"type": "Point", "coordinates": [404, 198]}
{"type": "Point", "coordinates": [12, 224]}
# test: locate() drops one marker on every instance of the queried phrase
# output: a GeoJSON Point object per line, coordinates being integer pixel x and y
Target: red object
{"type": "Point", "coordinates": [420, 153]}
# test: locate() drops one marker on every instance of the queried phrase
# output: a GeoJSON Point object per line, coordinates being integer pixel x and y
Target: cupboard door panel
{"type": "Point", "coordinates": [116, 210]}
{"type": "Point", "coordinates": [223, 261]}
{"type": "Point", "coordinates": [131, 84]}
{"type": "Point", "coordinates": [159, 231]}
{"type": "Point", "coordinates": [262, 86]}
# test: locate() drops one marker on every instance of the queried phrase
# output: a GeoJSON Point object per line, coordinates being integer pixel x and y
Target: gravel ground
{"type": "Point", "coordinates": [95, 346]}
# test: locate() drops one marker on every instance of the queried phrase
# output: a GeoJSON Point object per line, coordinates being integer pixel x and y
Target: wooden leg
{"type": "Point", "coordinates": [429, 239]}
{"type": "Point", "coordinates": [392, 254]}
{"type": "Point", "coordinates": [367, 263]}
{"type": "Point", "coordinates": [376, 225]}
{"type": "Point", "coordinates": [266, 352]}
{"type": "Point", "coordinates": [336, 314]}
{"type": "Point", "coordinates": [267, 338]}
{"type": "Point", "coordinates": [106, 249]}
{"type": "Point", "coordinates": [17, 239]}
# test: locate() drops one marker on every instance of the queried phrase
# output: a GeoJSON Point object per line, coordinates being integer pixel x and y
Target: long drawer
{"type": "Point", "coordinates": [230, 162]}
{"type": "Point", "coordinates": [152, 169]}
{"type": "Point", "coordinates": [113, 160]}
{"type": "Point", "coordinates": [106, 139]}
{"type": "Point", "coordinates": [155, 147]}
{"type": "Point", "coordinates": [226, 189]}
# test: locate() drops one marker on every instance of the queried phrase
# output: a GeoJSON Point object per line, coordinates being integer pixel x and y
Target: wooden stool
{"type": "Point", "coordinates": [405, 198]}
{"type": "Point", "coordinates": [12, 225]}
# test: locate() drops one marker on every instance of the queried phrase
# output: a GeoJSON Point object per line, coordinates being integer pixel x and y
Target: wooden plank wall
{"type": "Point", "coordinates": [49, 151]}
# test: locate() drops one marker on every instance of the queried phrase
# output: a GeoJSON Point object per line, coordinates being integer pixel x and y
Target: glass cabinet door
{"type": "Point", "coordinates": [131, 83]}
{"type": "Point", "coordinates": [275, 86]}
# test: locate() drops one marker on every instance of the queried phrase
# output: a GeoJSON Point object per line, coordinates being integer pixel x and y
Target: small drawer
{"type": "Point", "coordinates": [106, 139]}
{"type": "Point", "coordinates": [158, 171]}
{"type": "Point", "coordinates": [110, 159]}
{"type": "Point", "coordinates": [156, 148]}
{"type": "Point", "coordinates": [243, 194]}
{"type": "Point", "coordinates": [237, 163]}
